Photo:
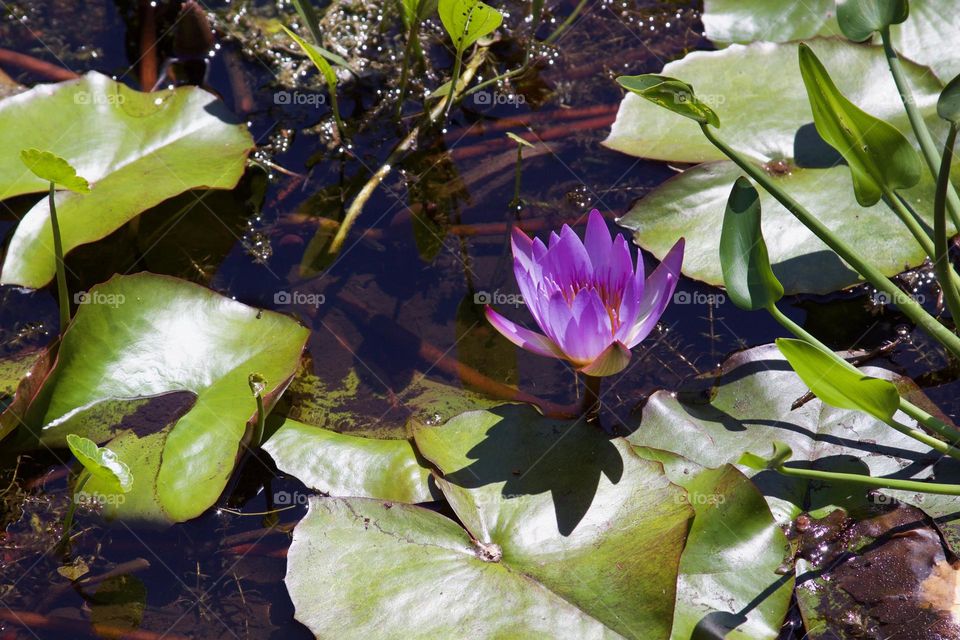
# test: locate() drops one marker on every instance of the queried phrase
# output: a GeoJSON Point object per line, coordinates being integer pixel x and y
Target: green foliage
{"type": "Point", "coordinates": [55, 169]}
{"type": "Point", "coordinates": [747, 275]}
{"type": "Point", "coordinates": [101, 463]}
{"type": "Point", "coordinates": [838, 385]}
{"type": "Point", "coordinates": [466, 21]}
{"type": "Point", "coordinates": [948, 106]}
{"type": "Point", "coordinates": [860, 19]}
{"type": "Point", "coordinates": [671, 94]}
{"type": "Point", "coordinates": [319, 59]}
{"type": "Point", "coordinates": [879, 156]}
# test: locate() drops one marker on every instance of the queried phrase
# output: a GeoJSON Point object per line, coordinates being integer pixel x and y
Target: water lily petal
{"type": "Point", "coordinates": [597, 242]}
{"type": "Point", "coordinates": [589, 334]}
{"type": "Point", "coordinates": [629, 311]}
{"type": "Point", "coordinates": [522, 247]}
{"type": "Point", "coordinates": [523, 338]}
{"type": "Point", "coordinates": [567, 262]}
{"type": "Point", "coordinates": [557, 317]}
{"type": "Point", "coordinates": [534, 296]}
{"type": "Point", "coordinates": [658, 290]}
{"type": "Point", "coordinates": [613, 360]}
{"type": "Point", "coordinates": [620, 269]}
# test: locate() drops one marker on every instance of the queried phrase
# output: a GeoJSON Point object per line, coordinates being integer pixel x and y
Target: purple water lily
{"type": "Point", "coordinates": [587, 297]}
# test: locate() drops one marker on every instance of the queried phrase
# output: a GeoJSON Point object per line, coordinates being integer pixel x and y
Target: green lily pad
{"type": "Point", "coordinates": [748, 406]}
{"type": "Point", "coordinates": [569, 535]}
{"type": "Point", "coordinates": [729, 584]}
{"type": "Point", "coordinates": [926, 37]}
{"type": "Point", "coordinates": [563, 504]}
{"type": "Point", "coordinates": [136, 150]}
{"type": "Point", "coordinates": [359, 568]}
{"type": "Point", "coordinates": [777, 133]}
{"type": "Point", "coordinates": [144, 336]}
{"type": "Point", "coordinates": [350, 466]}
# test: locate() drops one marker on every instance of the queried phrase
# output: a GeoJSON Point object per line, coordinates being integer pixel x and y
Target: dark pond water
{"type": "Point", "coordinates": [402, 293]}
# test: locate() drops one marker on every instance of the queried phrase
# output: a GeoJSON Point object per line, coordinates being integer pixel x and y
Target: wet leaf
{"type": "Point", "coordinates": [837, 385]}
{"type": "Point", "coordinates": [926, 37]}
{"type": "Point", "coordinates": [102, 463]}
{"type": "Point", "coordinates": [146, 336]}
{"type": "Point", "coordinates": [779, 136]}
{"type": "Point", "coordinates": [350, 466]}
{"type": "Point", "coordinates": [747, 275]}
{"type": "Point", "coordinates": [567, 507]}
{"type": "Point", "coordinates": [172, 141]}
{"type": "Point", "coordinates": [55, 169]}
{"type": "Point", "coordinates": [860, 19]}
{"type": "Point", "coordinates": [878, 155]}
{"type": "Point", "coordinates": [671, 94]}
{"type": "Point", "coordinates": [733, 552]}
{"type": "Point", "coordinates": [466, 21]}
{"type": "Point", "coordinates": [319, 59]}
{"type": "Point", "coordinates": [747, 407]}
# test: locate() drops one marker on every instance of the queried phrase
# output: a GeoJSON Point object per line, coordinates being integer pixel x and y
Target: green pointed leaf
{"type": "Point", "coordinates": [732, 557]}
{"type": "Point", "coordinates": [747, 275]}
{"type": "Point", "coordinates": [948, 106]}
{"type": "Point", "coordinates": [837, 385]}
{"type": "Point", "coordinates": [101, 462]}
{"type": "Point", "coordinates": [518, 139]}
{"type": "Point", "coordinates": [318, 58]}
{"type": "Point", "coordinates": [348, 466]}
{"type": "Point", "coordinates": [878, 155]}
{"type": "Point", "coordinates": [670, 94]}
{"type": "Point", "coordinates": [569, 508]}
{"type": "Point", "coordinates": [54, 169]}
{"type": "Point", "coordinates": [777, 134]}
{"type": "Point", "coordinates": [145, 336]}
{"type": "Point", "coordinates": [466, 21]}
{"type": "Point", "coordinates": [860, 19]}
{"type": "Point", "coordinates": [136, 149]}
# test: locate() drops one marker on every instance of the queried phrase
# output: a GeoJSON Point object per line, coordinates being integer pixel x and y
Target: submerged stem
{"type": "Point", "coordinates": [62, 294]}
{"type": "Point", "coordinates": [873, 275]}
{"type": "Point", "coordinates": [68, 520]}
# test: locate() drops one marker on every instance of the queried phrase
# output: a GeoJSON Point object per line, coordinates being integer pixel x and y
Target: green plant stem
{"type": "Point", "coordinates": [454, 78]}
{"type": "Point", "coordinates": [873, 275]}
{"type": "Point", "coordinates": [870, 481]}
{"type": "Point", "coordinates": [928, 147]}
{"type": "Point", "coordinates": [356, 207]}
{"type": "Point", "coordinates": [308, 15]}
{"type": "Point", "coordinates": [566, 23]}
{"type": "Point", "coordinates": [941, 259]}
{"type": "Point", "coordinates": [407, 55]}
{"type": "Point", "coordinates": [590, 409]}
{"type": "Point", "coordinates": [68, 520]}
{"type": "Point", "coordinates": [62, 294]}
{"type": "Point", "coordinates": [939, 446]}
{"type": "Point", "coordinates": [930, 422]}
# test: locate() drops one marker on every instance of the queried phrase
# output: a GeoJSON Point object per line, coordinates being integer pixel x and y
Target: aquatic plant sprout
{"type": "Point", "coordinates": [587, 297]}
